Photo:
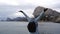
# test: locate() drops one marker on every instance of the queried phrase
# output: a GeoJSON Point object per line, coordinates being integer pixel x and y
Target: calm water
{"type": "Point", "coordinates": [21, 28]}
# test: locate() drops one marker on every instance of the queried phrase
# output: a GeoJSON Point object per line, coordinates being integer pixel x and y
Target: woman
{"type": "Point", "coordinates": [33, 23]}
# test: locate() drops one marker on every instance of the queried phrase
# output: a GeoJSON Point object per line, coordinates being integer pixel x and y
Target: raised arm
{"type": "Point", "coordinates": [40, 15]}
{"type": "Point", "coordinates": [25, 15]}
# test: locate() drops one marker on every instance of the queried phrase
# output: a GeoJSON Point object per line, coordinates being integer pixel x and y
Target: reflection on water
{"type": "Point", "coordinates": [21, 28]}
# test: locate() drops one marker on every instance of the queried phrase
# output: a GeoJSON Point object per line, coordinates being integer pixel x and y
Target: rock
{"type": "Point", "coordinates": [58, 20]}
{"type": "Point", "coordinates": [38, 10]}
{"type": "Point", "coordinates": [50, 15]}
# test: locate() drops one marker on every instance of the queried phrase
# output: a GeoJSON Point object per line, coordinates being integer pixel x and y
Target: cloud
{"type": "Point", "coordinates": [10, 7]}
{"type": "Point", "coordinates": [10, 10]}
{"type": "Point", "coordinates": [9, 2]}
{"type": "Point", "coordinates": [30, 3]}
{"type": "Point", "coordinates": [57, 5]}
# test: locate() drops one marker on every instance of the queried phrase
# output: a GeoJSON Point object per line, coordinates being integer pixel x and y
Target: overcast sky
{"type": "Point", "coordinates": [10, 8]}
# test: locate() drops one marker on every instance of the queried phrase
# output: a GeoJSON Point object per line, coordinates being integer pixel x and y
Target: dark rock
{"type": "Point", "coordinates": [50, 15]}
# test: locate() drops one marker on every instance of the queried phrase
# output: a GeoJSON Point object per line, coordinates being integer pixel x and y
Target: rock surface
{"type": "Point", "coordinates": [50, 15]}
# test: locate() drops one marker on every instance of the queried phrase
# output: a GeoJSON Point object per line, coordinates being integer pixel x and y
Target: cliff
{"type": "Point", "coordinates": [50, 14]}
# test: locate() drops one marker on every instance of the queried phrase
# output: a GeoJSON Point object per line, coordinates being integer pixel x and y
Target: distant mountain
{"type": "Point", "coordinates": [17, 19]}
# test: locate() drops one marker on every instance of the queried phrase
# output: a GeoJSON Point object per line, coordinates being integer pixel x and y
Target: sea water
{"type": "Point", "coordinates": [21, 28]}
{"type": "Point", "coordinates": [13, 28]}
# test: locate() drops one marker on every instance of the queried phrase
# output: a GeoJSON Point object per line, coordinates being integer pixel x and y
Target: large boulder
{"type": "Point", "coordinates": [50, 15]}
{"type": "Point", "coordinates": [58, 20]}
{"type": "Point", "coordinates": [37, 11]}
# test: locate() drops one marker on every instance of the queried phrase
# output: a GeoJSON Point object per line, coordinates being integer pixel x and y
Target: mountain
{"type": "Point", "coordinates": [50, 14]}
{"type": "Point", "coordinates": [17, 19]}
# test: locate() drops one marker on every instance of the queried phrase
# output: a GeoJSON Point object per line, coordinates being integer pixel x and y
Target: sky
{"type": "Point", "coordinates": [10, 8]}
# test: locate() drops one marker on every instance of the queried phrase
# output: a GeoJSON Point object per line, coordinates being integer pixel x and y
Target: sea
{"type": "Point", "coordinates": [21, 27]}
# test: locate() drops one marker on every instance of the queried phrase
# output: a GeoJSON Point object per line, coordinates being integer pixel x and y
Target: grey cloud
{"type": "Point", "coordinates": [28, 6]}
{"type": "Point", "coordinates": [23, 6]}
{"type": "Point", "coordinates": [6, 10]}
{"type": "Point", "coordinates": [56, 5]}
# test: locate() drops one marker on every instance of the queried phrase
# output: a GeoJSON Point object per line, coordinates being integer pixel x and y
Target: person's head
{"type": "Point", "coordinates": [45, 9]}
{"type": "Point", "coordinates": [31, 27]}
